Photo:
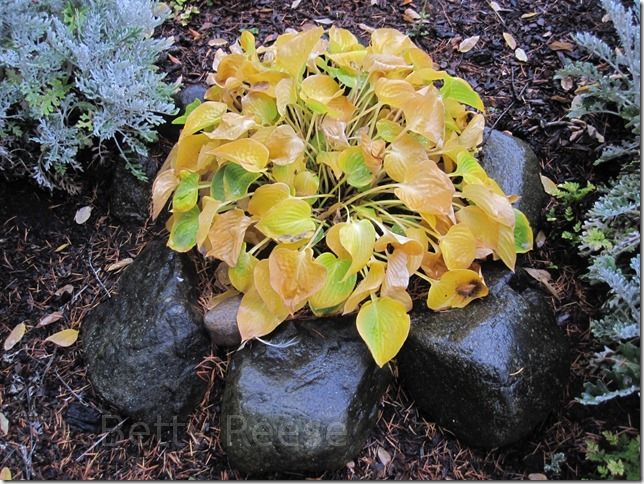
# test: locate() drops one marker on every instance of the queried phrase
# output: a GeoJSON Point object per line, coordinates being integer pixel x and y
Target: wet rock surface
{"type": "Point", "coordinates": [185, 96]}
{"type": "Point", "coordinates": [142, 345]}
{"type": "Point", "coordinates": [515, 167]}
{"type": "Point", "coordinates": [221, 323]}
{"type": "Point", "coordinates": [490, 372]}
{"type": "Point", "coordinates": [305, 408]}
{"type": "Point", "coordinates": [130, 197]}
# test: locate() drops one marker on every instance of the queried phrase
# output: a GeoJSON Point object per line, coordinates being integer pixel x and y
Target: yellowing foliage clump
{"type": "Point", "coordinates": [325, 173]}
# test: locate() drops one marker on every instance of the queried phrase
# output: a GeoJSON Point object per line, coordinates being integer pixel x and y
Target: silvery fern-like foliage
{"type": "Point", "coordinates": [611, 232]}
{"type": "Point", "coordinates": [78, 74]}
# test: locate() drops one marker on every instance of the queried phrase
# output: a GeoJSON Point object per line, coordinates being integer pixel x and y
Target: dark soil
{"type": "Point", "coordinates": [44, 393]}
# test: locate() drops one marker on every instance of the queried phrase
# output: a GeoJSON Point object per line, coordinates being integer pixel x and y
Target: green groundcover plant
{"type": "Point", "coordinates": [325, 173]}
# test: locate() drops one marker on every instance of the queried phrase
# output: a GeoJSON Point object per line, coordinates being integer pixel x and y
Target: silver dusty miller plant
{"type": "Point", "coordinates": [76, 74]}
{"type": "Point", "coordinates": [610, 233]}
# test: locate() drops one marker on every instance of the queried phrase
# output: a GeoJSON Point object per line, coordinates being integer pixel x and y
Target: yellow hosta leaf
{"type": "Point", "coordinates": [456, 289]}
{"type": "Point", "coordinates": [266, 197]}
{"type": "Point", "coordinates": [162, 188]}
{"type": "Point", "coordinates": [241, 275]}
{"type": "Point", "coordinates": [306, 183]}
{"type": "Point", "coordinates": [289, 221]}
{"type": "Point", "coordinates": [468, 168]}
{"type": "Point", "coordinates": [292, 50]}
{"type": "Point", "coordinates": [358, 239]}
{"type": "Point", "coordinates": [337, 287]}
{"type": "Point", "coordinates": [187, 192]}
{"type": "Point", "coordinates": [340, 108]}
{"type": "Point", "coordinates": [285, 95]}
{"type": "Point", "coordinates": [390, 41]}
{"type": "Point", "coordinates": [373, 151]}
{"type": "Point", "coordinates": [319, 88]}
{"type": "Point", "coordinates": [261, 107]}
{"type": "Point", "coordinates": [284, 146]}
{"type": "Point", "coordinates": [458, 247]}
{"type": "Point", "coordinates": [262, 283]}
{"type": "Point", "coordinates": [232, 126]}
{"type": "Point", "coordinates": [249, 153]}
{"type": "Point", "coordinates": [204, 116]}
{"type": "Point", "coordinates": [227, 235]}
{"type": "Point", "coordinates": [427, 189]}
{"type": "Point", "coordinates": [505, 248]}
{"type": "Point", "coordinates": [425, 115]}
{"type": "Point", "coordinates": [209, 207]}
{"type": "Point", "coordinates": [523, 237]}
{"type": "Point", "coordinates": [183, 230]}
{"type": "Point", "coordinates": [332, 160]}
{"type": "Point", "coordinates": [496, 206]}
{"type": "Point", "coordinates": [295, 275]}
{"type": "Point", "coordinates": [15, 336]}
{"type": "Point", "coordinates": [64, 338]}
{"type": "Point", "coordinates": [254, 319]}
{"type": "Point", "coordinates": [334, 133]}
{"type": "Point", "coordinates": [404, 155]}
{"type": "Point", "coordinates": [369, 285]}
{"type": "Point", "coordinates": [388, 130]}
{"type": "Point", "coordinates": [484, 228]}
{"type": "Point", "coordinates": [341, 40]}
{"type": "Point", "coordinates": [396, 275]}
{"type": "Point", "coordinates": [411, 246]}
{"type": "Point", "coordinates": [383, 323]}
{"type": "Point", "coordinates": [188, 151]}
{"type": "Point", "coordinates": [396, 93]}
{"type": "Point", "coordinates": [433, 265]}
{"type": "Point", "coordinates": [472, 135]}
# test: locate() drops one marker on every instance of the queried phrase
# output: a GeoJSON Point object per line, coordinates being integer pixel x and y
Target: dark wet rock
{"type": "Point", "coordinates": [142, 345]}
{"type": "Point", "coordinates": [221, 323]}
{"type": "Point", "coordinates": [83, 418]}
{"type": "Point", "coordinates": [182, 99]}
{"type": "Point", "coordinates": [515, 167]}
{"type": "Point", "coordinates": [492, 371]}
{"type": "Point", "coordinates": [305, 408]}
{"type": "Point", "coordinates": [130, 197]}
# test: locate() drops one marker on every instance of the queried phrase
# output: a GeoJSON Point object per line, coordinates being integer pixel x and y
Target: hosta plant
{"type": "Point", "coordinates": [325, 173]}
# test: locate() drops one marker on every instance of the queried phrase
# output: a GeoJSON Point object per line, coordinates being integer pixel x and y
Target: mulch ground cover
{"type": "Point", "coordinates": [49, 264]}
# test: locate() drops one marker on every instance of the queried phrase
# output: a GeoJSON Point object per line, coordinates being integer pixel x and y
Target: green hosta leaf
{"type": "Point", "coordinates": [336, 289]}
{"type": "Point", "coordinates": [183, 234]}
{"type": "Point", "coordinates": [469, 168]}
{"type": "Point", "coordinates": [189, 108]}
{"type": "Point", "coordinates": [383, 323]}
{"type": "Point", "coordinates": [203, 116]}
{"type": "Point", "coordinates": [388, 130]}
{"type": "Point", "coordinates": [522, 233]}
{"type": "Point", "coordinates": [461, 91]}
{"type": "Point", "coordinates": [241, 275]}
{"type": "Point", "coordinates": [187, 192]}
{"type": "Point", "coordinates": [231, 182]}
{"type": "Point", "coordinates": [353, 165]}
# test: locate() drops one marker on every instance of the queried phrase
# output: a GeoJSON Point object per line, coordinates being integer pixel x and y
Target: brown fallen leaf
{"type": "Point", "coordinates": [410, 15]}
{"type": "Point", "coordinates": [4, 424]}
{"type": "Point", "coordinates": [49, 319]}
{"type": "Point", "coordinates": [540, 239]}
{"type": "Point", "coordinates": [5, 474]}
{"type": "Point", "coordinates": [549, 186]}
{"type": "Point", "coordinates": [512, 44]}
{"type": "Point", "coordinates": [529, 15]}
{"type": "Point", "coordinates": [16, 335]}
{"type": "Point", "coordinates": [537, 476]}
{"type": "Point", "coordinates": [561, 45]}
{"type": "Point", "coordinates": [468, 44]}
{"type": "Point", "coordinates": [384, 456]}
{"type": "Point", "coordinates": [366, 28]}
{"type": "Point", "coordinates": [61, 247]}
{"type": "Point", "coordinates": [544, 278]}
{"type": "Point", "coordinates": [82, 215]}
{"type": "Point", "coordinates": [64, 338]}
{"type": "Point", "coordinates": [323, 21]}
{"type": "Point", "coordinates": [66, 289]}
{"type": "Point", "coordinates": [521, 55]}
{"type": "Point", "coordinates": [174, 60]}
{"type": "Point", "coordinates": [120, 264]}
{"type": "Point", "coordinates": [218, 42]}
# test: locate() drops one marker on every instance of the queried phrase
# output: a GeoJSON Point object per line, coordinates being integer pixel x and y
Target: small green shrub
{"type": "Point", "coordinates": [609, 234]}
{"type": "Point", "coordinates": [621, 458]}
{"type": "Point", "coordinates": [78, 74]}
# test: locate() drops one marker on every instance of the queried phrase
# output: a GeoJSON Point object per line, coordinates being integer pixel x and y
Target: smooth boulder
{"type": "Point", "coordinates": [304, 408]}
{"type": "Point", "coordinates": [143, 344]}
{"type": "Point", "coordinates": [221, 323]}
{"type": "Point", "coordinates": [515, 167]}
{"type": "Point", "coordinates": [492, 371]}
{"type": "Point", "coordinates": [182, 99]}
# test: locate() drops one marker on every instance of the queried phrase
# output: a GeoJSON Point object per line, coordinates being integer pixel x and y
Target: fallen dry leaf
{"type": "Point", "coordinates": [540, 239]}
{"type": "Point", "coordinates": [384, 456]}
{"type": "Point", "coordinates": [49, 319]}
{"type": "Point", "coordinates": [323, 21]}
{"type": "Point", "coordinates": [61, 247]}
{"type": "Point", "coordinates": [495, 6]}
{"type": "Point", "coordinates": [512, 44]}
{"type": "Point", "coordinates": [544, 278]}
{"type": "Point", "coordinates": [521, 55]}
{"type": "Point", "coordinates": [16, 335]}
{"type": "Point", "coordinates": [174, 60]}
{"type": "Point", "coordinates": [64, 338]}
{"type": "Point", "coordinates": [537, 476]}
{"type": "Point", "coordinates": [561, 45]}
{"type": "Point", "coordinates": [549, 186]}
{"type": "Point", "coordinates": [410, 15]}
{"type": "Point", "coordinates": [82, 215]}
{"type": "Point", "coordinates": [366, 28]}
{"type": "Point", "coordinates": [529, 15]}
{"type": "Point", "coordinates": [295, 4]}
{"type": "Point", "coordinates": [120, 264]}
{"type": "Point", "coordinates": [4, 424]}
{"type": "Point", "coordinates": [66, 289]}
{"type": "Point", "coordinates": [5, 474]}
{"type": "Point", "coordinates": [217, 42]}
{"type": "Point", "coordinates": [566, 83]}
{"type": "Point", "coordinates": [468, 44]}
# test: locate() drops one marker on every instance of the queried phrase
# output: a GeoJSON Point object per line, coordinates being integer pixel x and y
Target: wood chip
{"type": "Point", "coordinates": [561, 45]}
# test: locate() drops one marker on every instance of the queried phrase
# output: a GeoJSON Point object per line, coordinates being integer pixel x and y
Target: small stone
{"type": "Point", "coordinates": [221, 323]}
{"type": "Point", "coordinates": [492, 371]}
{"type": "Point", "coordinates": [142, 345]}
{"type": "Point", "coordinates": [515, 167]}
{"type": "Point", "coordinates": [182, 99]}
{"type": "Point", "coordinates": [306, 408]}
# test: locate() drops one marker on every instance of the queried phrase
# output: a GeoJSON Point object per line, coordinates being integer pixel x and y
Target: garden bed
{"type": "Point", "coordinates": [46, 394]}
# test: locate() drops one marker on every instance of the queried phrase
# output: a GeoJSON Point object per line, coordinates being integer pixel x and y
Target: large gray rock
{"type": "Point", "coordinates": [515, 167]}
{"type": "Point", "coordinates": [142, 345]}
{"type": "Point", "coordinates": [305, 408]}
{"type": "Point", "coordinates": [489, 372]}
